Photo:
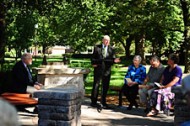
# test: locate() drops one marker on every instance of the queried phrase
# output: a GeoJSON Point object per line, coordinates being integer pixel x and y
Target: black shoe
{"type": "Point", "coordinates": [130, 107]}
{"type": "Point", "coordinates": [35, 111]}
{"type": "Point", "coordinates": [23, 110]}
{"type": "Point", "coordinates": [136, 106]}
{"type": "Point", "coordinates": [105, 106]}
{"type": "Point", "coordinates": [94, 105]}
{"type": "Point", "coordinates": [146, 110]}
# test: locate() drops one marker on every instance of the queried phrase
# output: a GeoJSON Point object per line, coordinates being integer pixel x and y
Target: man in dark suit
{"type": "Point", "coordinates": [21, 75]}
{"type": "Point", "coordinates": [102, 59]}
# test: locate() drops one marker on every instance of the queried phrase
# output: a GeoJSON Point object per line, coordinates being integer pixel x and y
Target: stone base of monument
{"type": "Point", "coordinates": [59, 103]}
{"type": "Point", "coordinates": [59, 107]}
{"type": "Point", "coordinates": [181, 110]}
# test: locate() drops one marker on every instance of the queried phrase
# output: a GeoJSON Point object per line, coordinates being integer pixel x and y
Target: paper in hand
{"type": "Point", "coordinates": [128, 80]}
{"type": "Point", "coordinates": [157, 84]}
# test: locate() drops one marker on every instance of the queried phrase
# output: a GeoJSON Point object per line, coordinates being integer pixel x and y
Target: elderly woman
{"type": "Point", "coordinates": [171, 77]}
{"type": "Point", "coordinates": [135, 76]}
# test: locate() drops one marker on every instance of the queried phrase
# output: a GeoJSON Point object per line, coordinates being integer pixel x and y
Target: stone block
{"type": "Point", "coordinates": [60, 100]}
{"type": "Point", "coordinates": [58, 93]}
{"type": "Point", "coordinates": [43, 122]}
{"type": "Point", "coordinates": [58, 116]}
{"type": "Point", "coordinates": [59, 109]}
{"type": "Point", "coordinates": [65, 123]}
{"type": "Point", "coordinates": [55, 116]}
{"type": "Point", "coordinates": [179, 120]}
{"type": "Point", "coordinates": [177, 89]}
{"type": "Point", "coordinates": [57, 102]}
{"type": "Point", "coordinates": [50, 80]}
{"type": "Point", "coordinates": [182, 114]}
{"type": "Point", "coordinates": [182, 102]}
{"type": "Point", "coordinates": [74, 122]}
{"type": "Point", "coordinates": [181, 108]}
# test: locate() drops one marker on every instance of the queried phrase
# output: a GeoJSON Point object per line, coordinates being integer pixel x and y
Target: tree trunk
{"type": "Point", "coordinates": [139, 46]}
{"type": "Point", "coordinates": [2, 32]}
{"type": "Point", "coordinates": [44, 49]}
{"type": "Point", "coordinates": [186, 19]}
{"type": "Point", "coordinates": [128, 45]}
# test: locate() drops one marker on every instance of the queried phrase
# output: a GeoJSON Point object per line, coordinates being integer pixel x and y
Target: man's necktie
{"type": "Point", "coordinates": [29, 75]}
{"type": "Point", "coordinates": [104, 52]}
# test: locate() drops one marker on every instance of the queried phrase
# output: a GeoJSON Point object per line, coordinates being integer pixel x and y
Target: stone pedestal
{"type": "Point", "coordinates": [181, 110]}
{"type": "Point", "coordinates": [60, 100]}
{"type": "Point", "coordinates": [59, 107]}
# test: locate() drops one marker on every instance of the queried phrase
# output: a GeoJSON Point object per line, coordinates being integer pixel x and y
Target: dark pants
{"type": "Point", "coordinates": [153, 100]}
{"type": "Point", "coordinates": [130, 93]}
{"type": "Point", "coordinates": [98, 77]}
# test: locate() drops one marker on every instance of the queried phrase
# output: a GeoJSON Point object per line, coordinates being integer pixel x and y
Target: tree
{"type": "Point", "coordinates": [2, 30]}
{"type": "Point", "coordinates": [83, 23]}
{"type": "Point", "coordinates": [185, 5]}
{"type": "Point", "coordinates": [146, 22]}
{"type": "Point", "coordinates": [19, 24]}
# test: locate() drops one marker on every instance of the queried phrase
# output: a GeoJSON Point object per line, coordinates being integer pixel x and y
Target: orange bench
{"type": "Point", "coordinates": [19, 99]}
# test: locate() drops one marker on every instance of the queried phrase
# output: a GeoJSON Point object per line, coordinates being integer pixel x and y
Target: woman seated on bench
{"type": "Point", "coordinates": [171, 77]}
{"type": "Point", "coordinates": [135, 75]}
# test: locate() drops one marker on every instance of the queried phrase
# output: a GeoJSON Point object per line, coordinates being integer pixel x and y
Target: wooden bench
{"type": "Point", "coordinates": [120, 94]}
{"type": "Point", "coordinates": [19, 99]}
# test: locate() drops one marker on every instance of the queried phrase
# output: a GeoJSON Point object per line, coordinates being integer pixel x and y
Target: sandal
{"type": "Point", "coordinates": [152, 113]}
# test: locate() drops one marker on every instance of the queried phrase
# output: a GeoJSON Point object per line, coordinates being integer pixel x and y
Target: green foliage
{"type": "Point", "coordinates": [159, 25]}
{"type": "Point", "coordinates": [20, 26]}
{"type": "Point", "coordinates": [81, 23]}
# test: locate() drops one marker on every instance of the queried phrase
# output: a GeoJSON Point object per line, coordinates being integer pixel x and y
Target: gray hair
{"type": "Point", "coordinates": [137, 57]}
{"type": "Point", "coordinates": [26, 56]}
{"type": "Point", "coordinates": [106, 37]}
{"type": "Point", "coordinates": [8, 114]}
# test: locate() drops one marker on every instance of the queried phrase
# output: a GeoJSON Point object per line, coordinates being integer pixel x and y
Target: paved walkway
{"type": "Point", "coordinates": [115, 117]}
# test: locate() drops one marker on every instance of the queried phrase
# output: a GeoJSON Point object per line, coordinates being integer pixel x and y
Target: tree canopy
{"type": "Point", "coordinates": [163, 26]}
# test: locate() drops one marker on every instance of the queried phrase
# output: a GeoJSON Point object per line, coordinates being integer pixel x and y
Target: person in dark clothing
{"type": "Point", "coordinates": [21, 75]}
{"type": "Point", "coordinates": [102, 59]}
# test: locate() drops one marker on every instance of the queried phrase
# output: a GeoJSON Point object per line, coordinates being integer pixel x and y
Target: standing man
{"type": "Point", "coordinates": [22, 76]}
{"type": "Point", "coordinates": [102, 59]}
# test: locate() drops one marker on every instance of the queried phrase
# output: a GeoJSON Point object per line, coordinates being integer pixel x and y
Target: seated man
{"type": "Point", "coordinates": [154, 75]}
{"type": "Point", "coordinates": [135, 76]}
{"type": "Point", "coordinates": [21, 75]}
{"type": "Point", "coordinates": [171, 77]}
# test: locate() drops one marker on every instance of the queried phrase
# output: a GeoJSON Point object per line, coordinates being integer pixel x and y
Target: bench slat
{"type": "Point", "coordinates": [19, 99]}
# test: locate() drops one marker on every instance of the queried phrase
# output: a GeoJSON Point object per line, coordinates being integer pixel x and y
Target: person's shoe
{"type": "Point", "coordinates": [146, 110]}
{"type": "Point", "coordinates": [94, 105]}
{"type": "Point", "coordinates": [152, 113]}
{"type": "Point", "coordinates": [106, 106]}
{"type": "Point", "coordinates": [136, 106]}
{"type": "Point", "coordinates": [130, 107]}
{"type": "Point", "coordinates": [35, 111]}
